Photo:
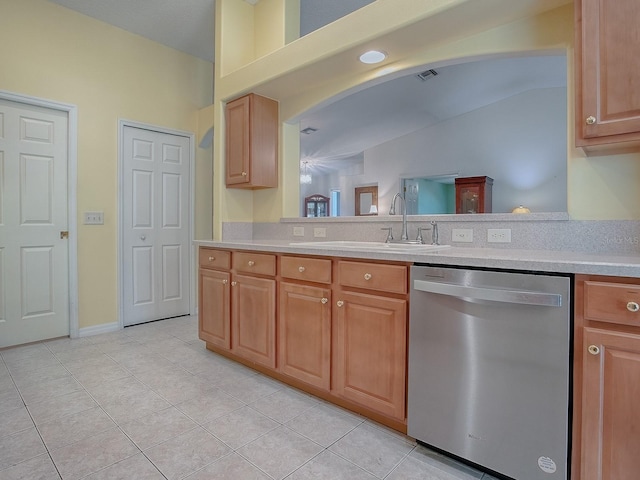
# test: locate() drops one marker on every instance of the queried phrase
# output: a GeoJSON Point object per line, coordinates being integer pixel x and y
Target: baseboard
{"type": "Point", "coordinates": [98, 329]}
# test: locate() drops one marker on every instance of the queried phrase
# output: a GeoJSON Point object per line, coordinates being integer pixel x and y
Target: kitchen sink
{"type": "Point", "coordinates": [413, 247]}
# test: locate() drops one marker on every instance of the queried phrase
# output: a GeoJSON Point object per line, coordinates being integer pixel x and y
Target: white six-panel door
{"type": "Point", "coordinates": [34, 278]}
{"type": "Point", "coordinates": [156, 225]}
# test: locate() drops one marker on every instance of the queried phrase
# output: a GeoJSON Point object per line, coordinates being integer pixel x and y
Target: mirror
{"type": "Point", "coordinates": [366, 201]}
{"type": "Point", "coordinates": [505, 118]}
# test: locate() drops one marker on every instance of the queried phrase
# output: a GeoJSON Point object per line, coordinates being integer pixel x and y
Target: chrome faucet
{"type": "Point", "coordinates": [392, 211]}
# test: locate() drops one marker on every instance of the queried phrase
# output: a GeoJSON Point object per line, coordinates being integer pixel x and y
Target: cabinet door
{"type": "Point", "coordinates": [608, 72]}
{"type": "Point", "coordinates": [238, 141]}
{"type": "Point", "coordinates": [304, 333]}
{"type": "Point", "coordinates": [214, 308]}
{"type": "Point", "coordinates": [253, 319]}
{"type": "Point", "coordinates": [369, 362]}
{"type": "Point", "coordinates": [611, 410]}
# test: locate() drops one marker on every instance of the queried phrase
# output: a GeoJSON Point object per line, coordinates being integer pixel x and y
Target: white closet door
{"type": "Point", "coordinates": [156, 225]}
{"type": "Point", "coordinates": [34, 265]}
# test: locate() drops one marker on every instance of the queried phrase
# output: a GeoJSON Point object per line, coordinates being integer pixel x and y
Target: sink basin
{"type": "Point", "coordinates": [371, 245]}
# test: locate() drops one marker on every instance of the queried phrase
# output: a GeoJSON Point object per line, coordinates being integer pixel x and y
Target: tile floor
{"type": "Point", "coordinates": [150, 402]}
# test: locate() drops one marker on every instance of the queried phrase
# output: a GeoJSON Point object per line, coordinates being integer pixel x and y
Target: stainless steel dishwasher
{"type": "Point", "coordinates": [489, 368]}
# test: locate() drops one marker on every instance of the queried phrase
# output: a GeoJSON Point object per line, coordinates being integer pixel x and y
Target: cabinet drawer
{"type": "Point", "coordinates": [612, 302]}
{"type": "Point", "coordinates": [308, 269]}
{"type": "Point", "coordinates": [373, 276]}
{"type": "Point", "coordinates": [211, 258]}
{"type": "Point", "coordinates": [259, 263]}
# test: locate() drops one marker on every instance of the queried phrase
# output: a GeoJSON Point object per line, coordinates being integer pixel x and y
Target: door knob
{"type": "Point", "coordinates": [143, 237]}
{"type": "Point", "coordinates": [593, 349]}
{"type": "Point", "coordinates": [211, 259]}
{"type": "Point", "coordinates": [251, 263]}
{"type": "Point", "coordinates": [633, 306]}
{"type": "Point", "coordinates": [224, 282]}
{"type": "Point", "coordinates": [590, 120]}
{"type": "Point", "coordinates": [367, 276]}
{"type": "Point", "coordinates": [339, 303]}
{"type": "Point", "coordinates": [233, 284]}
{"type": "Point", "coordinates": [324, 301]}
{"type": "Point", "coordinates": [301, 269]}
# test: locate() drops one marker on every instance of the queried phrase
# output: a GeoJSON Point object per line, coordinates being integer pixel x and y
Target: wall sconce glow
{"type": "Point", "coordinates": [372, 56]}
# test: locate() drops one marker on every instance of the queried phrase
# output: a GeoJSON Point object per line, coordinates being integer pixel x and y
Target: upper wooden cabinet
{"type": "Point", "coordinates": [607, 74]}
{"type": "Point", "coordinates": [252, 142]}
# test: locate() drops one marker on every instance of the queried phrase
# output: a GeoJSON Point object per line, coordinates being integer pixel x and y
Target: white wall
{"type": "Point", "coordinates": [520, 142]}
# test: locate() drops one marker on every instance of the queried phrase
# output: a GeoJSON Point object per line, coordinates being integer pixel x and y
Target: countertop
{"type": "Point", "coordinates": [513, 259]}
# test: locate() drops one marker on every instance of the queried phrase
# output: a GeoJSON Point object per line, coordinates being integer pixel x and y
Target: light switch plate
{"type": "Point", "coordinates": [94, 218]}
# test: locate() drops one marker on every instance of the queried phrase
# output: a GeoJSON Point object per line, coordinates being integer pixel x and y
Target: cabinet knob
{"type": "Point", "coordinates": [339, 303]}
{"type": "Point", "coordinates": [593, 349]}
{"type": "Point", "coordinates": [244, 174]}
{"type": "Point", "coordinates": [224, 282]}
{"type": "Point", "coordinates": [233, 284]}
{"type": "Point", "coordinates": [211, 259]}
{"type": "Point", "coordinates": [251, 263]}
{"type": "Point", "coordinates": [633, 306]}
{"type": "Point", "coordinates": [301, 269]}
{"type": "Point", "coordinates": [324, 301]}
{"type": "Point", "coordinates": [590, 120]}
{"type": "Point", "coordinates": [367, 276]}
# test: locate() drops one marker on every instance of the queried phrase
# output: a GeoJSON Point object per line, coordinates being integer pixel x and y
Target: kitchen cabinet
{"type": "Point", "coordinates": [214, 317]}
{"type": "Point", "coordinates": [251, 142]}
{"type": "Point", "coordinates": [474, 194]}
{"type": "Point", "coordinates": [607, 74]}
{"type": "Point", "coordinates": [607, 380]}
{"type": "Point", "coordinates": [304, 322]}
{"type": "Point", "coordinates": [334, 327]}
{"type": "Point", "coordinates": [253, 308]}
{"type": "Point", "coordinates": [370, 340]}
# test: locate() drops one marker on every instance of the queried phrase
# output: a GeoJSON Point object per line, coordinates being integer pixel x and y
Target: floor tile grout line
{"type": "Point", "coordinates": [397, 465]}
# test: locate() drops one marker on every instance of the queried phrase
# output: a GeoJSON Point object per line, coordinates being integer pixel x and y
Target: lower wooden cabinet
{"type": "Point", "coordinates": [611, 406]}
{"type": "Point", "coordinates": [369, 358]}
{"type": "Point", "coordinates": [606, 434]}
{"type": "Point", "coordinates": [304, 328]}
{"type": "Point", "coordinates": [279, 314]}
{"type": "Point", "coordinates": [214, 307]}
{"type": "Point", "coordinates": [253, 319]}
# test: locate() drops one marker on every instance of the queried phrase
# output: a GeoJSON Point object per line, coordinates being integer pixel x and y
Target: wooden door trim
{"type": "Point", "coordinates": [193, 254]}
{"type": "Point", "coordinates": [72, 175]}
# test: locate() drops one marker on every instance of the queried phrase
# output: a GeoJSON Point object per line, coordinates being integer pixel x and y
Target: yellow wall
{"type": "Point", "coordinates": [54, 53]}
{"type": "Point", "coordinates": [315, 68]}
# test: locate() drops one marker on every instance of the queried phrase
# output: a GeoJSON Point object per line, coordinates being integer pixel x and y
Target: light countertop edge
{"type": "Point", "coordinates": [511, 259]}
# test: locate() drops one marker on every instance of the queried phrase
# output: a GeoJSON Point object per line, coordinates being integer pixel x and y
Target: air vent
{"type": "Point", "coordinates": [308, 130]}
{"type": "Point", "coordinates": [427, 74]}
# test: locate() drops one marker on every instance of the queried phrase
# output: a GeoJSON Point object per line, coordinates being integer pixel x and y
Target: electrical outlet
{"type": "Point", "coordinates": [319, 232]}
{"type": "Point", "coordinates": [462, 235]}
{"type": "Point", "coordinates": [94, 218]}
{"type": "Point", "coordinates": [499, 235]}
{"type": "Point", "coordinates": [298, 231]}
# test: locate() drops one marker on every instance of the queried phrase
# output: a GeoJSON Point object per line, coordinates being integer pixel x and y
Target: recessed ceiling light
{"type": "Point", "coordinates": [373, 56]}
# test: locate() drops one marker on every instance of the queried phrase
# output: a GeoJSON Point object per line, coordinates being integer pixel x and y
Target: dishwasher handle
{"type": "Point", "coordinates": [522, 297]}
